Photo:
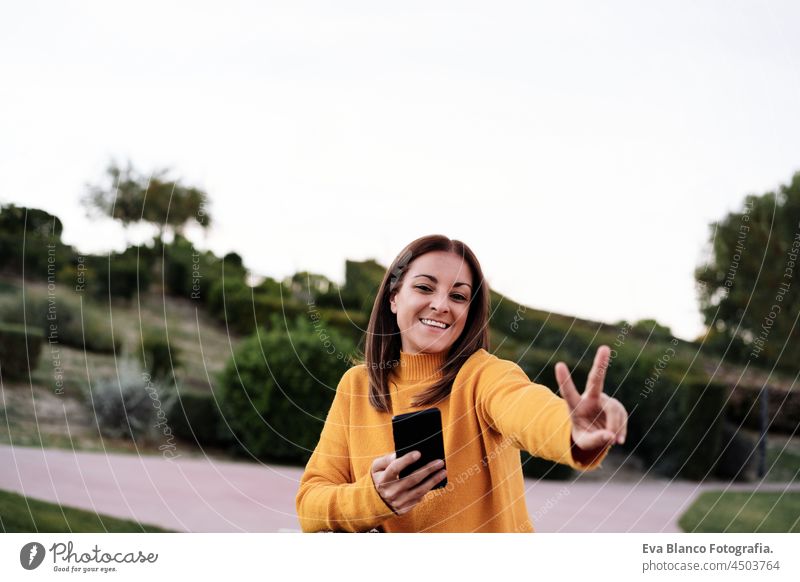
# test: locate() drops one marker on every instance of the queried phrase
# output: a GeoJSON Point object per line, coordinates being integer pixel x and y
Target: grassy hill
{"type": "Point", "coordinates": [41, 413]}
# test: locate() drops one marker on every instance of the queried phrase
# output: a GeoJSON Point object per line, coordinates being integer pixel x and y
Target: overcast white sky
{"type": "Point", "coordinates": [580, 150]}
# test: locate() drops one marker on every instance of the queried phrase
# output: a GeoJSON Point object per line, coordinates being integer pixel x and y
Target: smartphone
{"type": "Point", "coordinates": [419, 431]}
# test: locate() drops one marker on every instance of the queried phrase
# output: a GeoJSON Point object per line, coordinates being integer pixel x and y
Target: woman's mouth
{"type": "Point", "coordinates": [433, 324]}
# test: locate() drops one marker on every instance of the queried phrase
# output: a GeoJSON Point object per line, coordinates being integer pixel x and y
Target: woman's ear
{"type": "Point", "coordinates": [392, 302]}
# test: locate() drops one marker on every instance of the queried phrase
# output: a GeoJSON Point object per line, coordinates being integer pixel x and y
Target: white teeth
{"type": "Point", "coordinates": [434, 323]}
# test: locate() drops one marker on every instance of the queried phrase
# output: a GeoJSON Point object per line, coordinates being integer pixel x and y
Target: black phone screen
{"type": "Point", "coordinates": [419, 431]}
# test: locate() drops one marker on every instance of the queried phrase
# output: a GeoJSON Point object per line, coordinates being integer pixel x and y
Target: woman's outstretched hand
{"type": "Point", "coordinates": [597, 419]}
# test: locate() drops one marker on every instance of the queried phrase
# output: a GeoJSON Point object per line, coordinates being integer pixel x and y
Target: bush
{"type": "Point", "coordinates": [61, 319]}
{"type": "Point", "coordinates": [313, 288]}
{"type": "Point", "coordinates": [277, 389]}
{"type": "Point", "coordinates": [783, 408]}
{"type": "Point", "coordinates": [223, 279]}
{"type": "Point", "coordinates": [738, 456]}
{"type": "Point", "coordinates": [352, 324]}
{"type": "Point", "coordinates": [675, 413]}
{"type": "Point", "coordinates": [19, 350]}
{"type": "Point", "coordinates": [88, 328]}
{"type": "Point", "coordinates": [129, 405]}
{"type": "Point", "coordinates": [191, 273]}
{"type": "Point", "coordinates": [700, 438]}
{"type": "Point", "coordinates": [244, 308]}
{"type": "Point", "coordinates": [121, 274]}
{"type": "Point", "coordinates": [161, 358]}
{"type": "Point", "coordinates": [195, 417]}
{"type": "Point", "coordinates": [362, 280]}
{"type": "Point", "coordinates": [221, 293]}
{"type": "Point", "coordinates": [264, 307]}
{"type": "Point", "coordinates": [30, 242]}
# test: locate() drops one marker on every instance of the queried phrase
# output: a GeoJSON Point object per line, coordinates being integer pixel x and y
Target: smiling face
{"type": "Point", "coordinates": [433, 302]}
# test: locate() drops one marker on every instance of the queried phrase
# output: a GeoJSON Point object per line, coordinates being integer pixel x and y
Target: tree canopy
{"type": "Point", "coordinates": [748, 293]}
{"type": "Point", "coordinates": [132, 197]}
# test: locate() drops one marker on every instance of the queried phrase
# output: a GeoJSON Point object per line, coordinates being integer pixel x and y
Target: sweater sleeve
{"type": "Point", "coordinates": [330, 497]}
{"type": "Point", "coordinates": [533, 417]}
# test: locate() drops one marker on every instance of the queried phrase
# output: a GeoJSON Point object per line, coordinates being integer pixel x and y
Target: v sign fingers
{"type": "Point", "coordinates": [566, 386]}
{"type": "Point", "coordinates": [597, 375]}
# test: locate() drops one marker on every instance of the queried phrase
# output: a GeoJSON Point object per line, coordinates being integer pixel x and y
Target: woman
{"type": "Point", "coordinates": [427, 345]}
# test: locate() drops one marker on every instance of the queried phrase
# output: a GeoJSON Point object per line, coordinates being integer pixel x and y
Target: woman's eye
{"type": "Point", "coordinates": [456, 296]}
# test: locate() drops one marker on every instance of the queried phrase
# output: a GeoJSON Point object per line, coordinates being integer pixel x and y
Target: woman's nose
{"type": "Point", "coordinates": [439, 303]}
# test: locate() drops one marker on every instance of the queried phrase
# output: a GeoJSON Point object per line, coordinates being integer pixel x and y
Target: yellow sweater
{"type": "Point", "coordinates": [492, 411]}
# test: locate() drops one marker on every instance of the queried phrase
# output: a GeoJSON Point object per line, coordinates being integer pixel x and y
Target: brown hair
{"type": "Point", "coordinates": [382, 349]}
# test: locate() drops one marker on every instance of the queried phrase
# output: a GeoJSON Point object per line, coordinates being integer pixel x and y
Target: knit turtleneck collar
{"type": "Point", "coordinates": [419, 367]}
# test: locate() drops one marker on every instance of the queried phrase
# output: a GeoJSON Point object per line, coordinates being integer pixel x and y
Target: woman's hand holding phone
{"type": "Point", "coordinates": [402, 494]}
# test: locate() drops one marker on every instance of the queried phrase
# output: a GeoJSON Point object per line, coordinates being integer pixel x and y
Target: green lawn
{"type": "Point", "coordinates": [743, 512]}
{"type": "Point", "coordinates": [20, 514]}
{"type": "Point", "coordinates": [783, 462]}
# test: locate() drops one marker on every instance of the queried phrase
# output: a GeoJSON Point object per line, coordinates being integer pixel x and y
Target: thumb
{"type": "Point", "coordinates": [381, 463]}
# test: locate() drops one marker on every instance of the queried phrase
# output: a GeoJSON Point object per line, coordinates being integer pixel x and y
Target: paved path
{"type": "Point", "coordinates": [204, 495]}
{"type": "Point", "coordinates": [197, 495]}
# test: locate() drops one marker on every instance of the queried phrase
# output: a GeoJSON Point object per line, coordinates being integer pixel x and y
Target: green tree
{"type": "Point", "coordinates": [30, 242]}
{"type": "Point", "coordinates": [748, 288]}
{"type": "Point", "coordinates": [119, 196]}
{"type": "Point", "coordinates": [14, 220]}
{"type": "Point", "coordinates": [131, 197]}
{"type": "Point", "coordinates": [362, 279]}
{"type": "Point", "coordinates": [307, 287]}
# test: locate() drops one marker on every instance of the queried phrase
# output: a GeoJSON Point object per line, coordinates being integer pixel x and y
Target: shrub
{"type": "Point", "coordinates": [30, 242]}
{"type": "Point", "coordinates": [700, 439]}
{"type": "Point", "coordinates": [121, 274]}
{"type": "Point", "coordinates": [129, 405]}
{"type": "Point", "coordinates": [230, 300]}
{"type": "Point", "coordinates": [62, 319]}
{"type": "Point", "coordinates": [783, 408]}
{"type": "Point", "coordinates": [19, 350]}
{"type": "Point", "coordinates": [195, 417]}
{"type": "Point", "coordinates": [191, 273]}
{"type": "Point", "coordinates": [277, 389]}
{"type": "Point", "coordinates": [675, 413]}
{"type": "Point", "coordinates": [362, 280]}
{"type": "Point", "coordinates": [313, 288]}
{"type": "Point", "coordinates": [352, 324]}
{"type": "Point", "coordinates": [738, 455]}
{"type": "Point", "coordinates": [87, 327]}
{"type": "Point", "coordinates": [244, 308]}
{"type": "Point", "coordinates": [263, 307]}
{"type": "Point", "coordinates": [161, 358]}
